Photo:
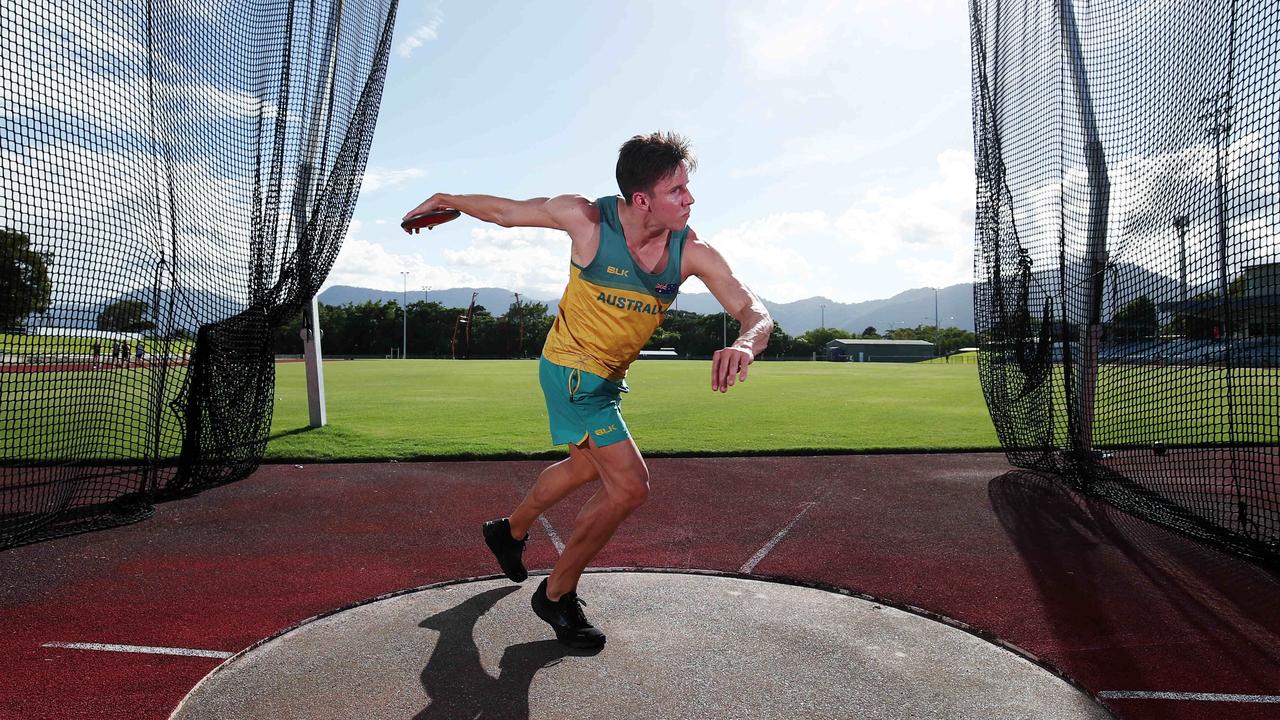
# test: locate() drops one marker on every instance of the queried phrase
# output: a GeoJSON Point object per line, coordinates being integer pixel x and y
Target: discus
{"type": "Point", "coordinates": [428, 220]}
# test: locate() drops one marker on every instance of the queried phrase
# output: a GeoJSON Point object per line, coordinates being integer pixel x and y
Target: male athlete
{"type": "Point", "coordinates": [629, 255]}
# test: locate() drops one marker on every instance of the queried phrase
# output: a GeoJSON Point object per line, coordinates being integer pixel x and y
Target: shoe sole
{"type": "Point", "coordinates": [519, 574]}
{"type": "Point", "coordinates": [578, 644]}
{"type": "Point", "coordinates": [566, 637]}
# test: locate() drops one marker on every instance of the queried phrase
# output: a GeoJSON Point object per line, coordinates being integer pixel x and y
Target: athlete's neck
{"type": "Point", "coordinates": [638, 226]}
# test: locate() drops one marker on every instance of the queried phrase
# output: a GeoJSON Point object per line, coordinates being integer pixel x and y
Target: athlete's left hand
{"type": "Point", "coordinates": [726, 363]}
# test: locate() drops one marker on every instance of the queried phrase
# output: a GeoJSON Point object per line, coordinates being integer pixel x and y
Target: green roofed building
{"type": "Point", "coordinates": [856, 350]}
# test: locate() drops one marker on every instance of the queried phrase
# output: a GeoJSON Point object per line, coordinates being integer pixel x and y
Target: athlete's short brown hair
{"type": "Point", "coordinates": [645, 159]}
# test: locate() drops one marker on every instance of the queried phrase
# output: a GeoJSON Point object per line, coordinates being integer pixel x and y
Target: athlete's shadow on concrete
{"type": "Point", "coordinates": [457, 683]}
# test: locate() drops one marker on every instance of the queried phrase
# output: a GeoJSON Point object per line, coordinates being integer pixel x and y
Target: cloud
{"type": "Point", "coordinates": [860, 251]}
{"type": "Point", "coordinates": [112, 225]}
{"type": "Point", "coordinates": [810, 39]}
{"type": "Point", "coordinates": [845, 146]}
{"type": "Point", "coordinates": [924, 234]}
{"type": "Point", "coordinates": [1147, 192]}
{"type": "Point", "coordinates": [376, 179]}
{"type": "Point", "coordinates": [529, 260]}
{"type": "Point", "coordinates": [363, 263]}
{"type": "Point", "coordinates": [757, 249]}
{"type": "Point", "coordinates": [919, 225]}
{"type": "Point", "coordinates": [424, 34]}
{"type": "Point", "coordinates": [532, 259]}
{"type": "Point", "coordinates": [110, 233]}
{"type": "Point", "coordinates": [779, 43]}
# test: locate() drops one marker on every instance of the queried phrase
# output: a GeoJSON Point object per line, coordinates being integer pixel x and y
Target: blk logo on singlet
{"type": "Point", "coordinates": [619, 271]}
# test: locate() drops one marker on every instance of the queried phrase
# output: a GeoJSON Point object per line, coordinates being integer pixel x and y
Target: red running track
{"type": "Point", "coordinates": [1107, 600]}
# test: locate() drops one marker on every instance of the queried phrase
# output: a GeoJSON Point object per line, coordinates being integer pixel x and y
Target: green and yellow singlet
{"type": "Point", "coordinates": [611, 307]}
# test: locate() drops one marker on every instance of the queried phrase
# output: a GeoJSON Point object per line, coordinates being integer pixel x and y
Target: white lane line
{"type": "Point", "coordinates": [755, 559]}
{"type": "Point", "coordinates": [140, 649]}
{"type": "Point", "coordinates": [1206, 697]}
{"type": "Point", "coordinates": [555, 539]}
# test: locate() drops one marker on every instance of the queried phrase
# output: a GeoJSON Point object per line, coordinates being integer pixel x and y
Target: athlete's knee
{"type": "Point", "coordinates": [633, 491]}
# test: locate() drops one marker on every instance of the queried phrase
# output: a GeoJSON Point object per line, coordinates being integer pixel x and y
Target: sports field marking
{"type": "Point", "coordinates": [140, 649]}
{"type": "Point", "coordinates": [1204, 697]}
{"type": "Point", "coordinates": [755, 559]}
{"type": "Point", "coordinates": [551, 532]}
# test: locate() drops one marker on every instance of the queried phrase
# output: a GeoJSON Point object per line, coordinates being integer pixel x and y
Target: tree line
{"type": "Point", "coordinates": [376, 329]}
{"type": "Point", "coordinates": [433, 330]}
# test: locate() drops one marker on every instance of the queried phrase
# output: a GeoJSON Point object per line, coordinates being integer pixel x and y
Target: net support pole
{"type": "Point", "coordinates": [311, 333]}
{"type": "Point", "coordinates": [1096, 249]}
{"type": "Point", "coordinates": [312, 355]}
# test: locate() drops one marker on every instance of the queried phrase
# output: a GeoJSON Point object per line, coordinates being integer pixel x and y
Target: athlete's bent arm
{"type": "Point", "coordinates": [709, 266]}
{"type": "Point", "coordinates": [563, 212]}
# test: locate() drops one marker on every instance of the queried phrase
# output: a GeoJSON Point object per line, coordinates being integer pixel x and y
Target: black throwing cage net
{"type": "Point", "coordinates": [1127, 253]}
{"type": "Point", "coordinates": [178, 177]}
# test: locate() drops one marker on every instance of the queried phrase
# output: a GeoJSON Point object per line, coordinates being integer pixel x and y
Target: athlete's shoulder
{"type": "Point", "coordinates": [576, 207]}
{"type": "Point", "coordinates": [695, 245]}
{"type": "Point", "coordinates": [574, 213]}
{"type": "Point", "coordinates": [700, 258]}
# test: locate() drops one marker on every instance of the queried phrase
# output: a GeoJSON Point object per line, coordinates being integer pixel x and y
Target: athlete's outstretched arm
{"type": "Point", "coordinates": [709, 266]}
{"type": "Point", "coordinates": [562, 212]}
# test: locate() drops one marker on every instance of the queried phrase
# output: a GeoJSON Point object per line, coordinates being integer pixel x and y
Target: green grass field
{"type": "Point", "coordinates": [420, 408]}
{"type": "Point", "coordinates": [407, 409]}
{"type": "Point", "coordinates": [23, 345]}
{"type": "Point", "coordinates": [1176, 405]}
{"type": "Point", "coordinates": [18, 344]}
{"type": "Point", "coordinates": [77, 414]}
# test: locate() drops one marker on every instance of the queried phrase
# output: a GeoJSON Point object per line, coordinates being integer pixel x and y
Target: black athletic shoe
{"type": "Point", "coordinates": [497, 535]}
{"type": "Point", "coordinates": [566, 618]}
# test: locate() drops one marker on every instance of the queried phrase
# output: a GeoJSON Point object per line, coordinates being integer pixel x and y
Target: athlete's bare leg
{"type": "Point", "coordinates": [552, 486]}
{"type": "Point", "coordinates": [625, 479]}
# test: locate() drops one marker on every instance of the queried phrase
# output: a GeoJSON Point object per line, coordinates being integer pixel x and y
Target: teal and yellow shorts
{"type": "Point", "coordinates": [581, 405]}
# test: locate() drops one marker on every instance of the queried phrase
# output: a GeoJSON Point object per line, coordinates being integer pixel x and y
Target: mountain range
{"type": "Point", "coordinates": [906, 309]}
{"type": "Point", "coordinates": [909, 308]}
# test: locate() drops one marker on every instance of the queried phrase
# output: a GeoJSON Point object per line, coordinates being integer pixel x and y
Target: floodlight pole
{"type": "Point", "coordinates": [1220, 118]}
{"type": "Point", "coordinates": [935, 322]}
{"type": "Point", "coordinates": [1096, 252]}
{"type": "Point", "coordinates": [404, 314]}
{"type": "Point", "coordinates": [1180, 223]}
{"type": "Point", "coordinates": [520, 340]}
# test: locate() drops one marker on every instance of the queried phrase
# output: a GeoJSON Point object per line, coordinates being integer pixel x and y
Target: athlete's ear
{"type": "Point", "coordinates": [640, 201]}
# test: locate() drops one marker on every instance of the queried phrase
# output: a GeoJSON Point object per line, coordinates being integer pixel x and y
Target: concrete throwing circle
{"type": "Point", "coordinates": [679, 646]}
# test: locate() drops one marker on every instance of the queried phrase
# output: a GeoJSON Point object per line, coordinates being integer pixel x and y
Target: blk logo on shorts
{"type": "Point", "coordinates": [600, 432]}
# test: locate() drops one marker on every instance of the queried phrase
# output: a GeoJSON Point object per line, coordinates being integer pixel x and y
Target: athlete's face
{"type": "Point", "coordinates": [671, 200]}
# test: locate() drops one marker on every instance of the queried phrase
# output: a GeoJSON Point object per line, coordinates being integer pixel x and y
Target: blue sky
{"type": "Point", "coordinates": [834, 138]}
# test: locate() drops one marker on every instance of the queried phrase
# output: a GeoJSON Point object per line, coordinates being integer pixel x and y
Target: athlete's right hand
{"type": "Point", "coordinates": [727, 363]}
{"type": "Point", "coordinates": [435, 202]}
